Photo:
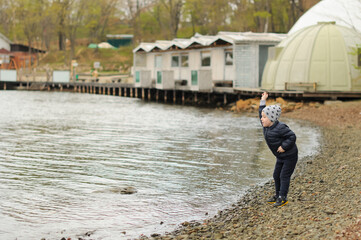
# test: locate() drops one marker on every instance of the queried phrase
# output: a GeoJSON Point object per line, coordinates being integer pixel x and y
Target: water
{"type": "Point", "coordinates": [63, 156]}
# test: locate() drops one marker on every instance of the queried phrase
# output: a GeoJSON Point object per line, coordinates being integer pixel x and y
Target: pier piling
{"type": "Point", "coordinates": [179, 94]}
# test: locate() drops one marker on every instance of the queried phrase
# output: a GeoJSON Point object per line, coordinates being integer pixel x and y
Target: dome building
{"type": "Point", "coordinates": [322, 57]}
{"type": "Point", "coordinates": [344, 13]}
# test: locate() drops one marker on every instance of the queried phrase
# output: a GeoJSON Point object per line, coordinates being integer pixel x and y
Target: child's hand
{"type": "Point", "coordinates": [264, 96]}
{"type": "Point", "coordinates": [280, 149]}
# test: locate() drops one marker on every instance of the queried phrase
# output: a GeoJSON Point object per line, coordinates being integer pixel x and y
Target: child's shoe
{"type": "Point", "coordinates": [272, 199]}
{"type": "Point", "coordinates": [281, 201]}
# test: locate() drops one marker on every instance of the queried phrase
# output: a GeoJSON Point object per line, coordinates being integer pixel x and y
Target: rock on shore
{"type": "Point", "coordinates": [325, 193]}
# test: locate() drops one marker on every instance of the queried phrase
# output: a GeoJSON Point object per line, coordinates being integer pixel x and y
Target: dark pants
{"type": "Point", "coordinates": [282, 175]}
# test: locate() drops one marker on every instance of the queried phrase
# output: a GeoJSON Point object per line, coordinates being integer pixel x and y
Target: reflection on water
{"type": "Point", "coordinates": [62, 155]}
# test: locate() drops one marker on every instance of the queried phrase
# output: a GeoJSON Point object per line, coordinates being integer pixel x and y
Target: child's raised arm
{"type": "Point", "coordinates": [262, 104]}
{"type": "Point", "coordinates": [264, 96]}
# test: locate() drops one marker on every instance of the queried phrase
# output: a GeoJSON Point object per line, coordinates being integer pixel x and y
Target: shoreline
{"type": "Point", "coordinates": [324, 198]}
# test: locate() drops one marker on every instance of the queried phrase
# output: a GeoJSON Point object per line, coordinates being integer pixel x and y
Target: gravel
{"type": "Point", "coordinates": [325, 192]}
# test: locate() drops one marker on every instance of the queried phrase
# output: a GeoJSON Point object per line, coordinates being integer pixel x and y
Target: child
{"type": "Point", "coordinates": [282, 142]}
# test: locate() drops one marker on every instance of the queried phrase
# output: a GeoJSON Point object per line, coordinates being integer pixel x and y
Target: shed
{"type": "Point", "coordinates": [24, 56]}
{"type": "Point", "coordinates": [17, 56]}
{"type": "Point", "coordinates": [323, 57]}
{"type": "Point", "coordinates": [118, 40]}
{"type": "Point", "coordinates": [16, 47]}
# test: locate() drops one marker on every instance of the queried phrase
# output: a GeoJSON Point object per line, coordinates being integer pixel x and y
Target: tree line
{"type": "Point", "coordinates": [40, 23]}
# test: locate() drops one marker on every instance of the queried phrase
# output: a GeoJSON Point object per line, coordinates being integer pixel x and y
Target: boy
{"type": "Point", "coordinates": [282, 142]}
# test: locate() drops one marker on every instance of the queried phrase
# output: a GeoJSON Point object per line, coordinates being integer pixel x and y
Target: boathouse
{"type": "Point", "coordinates": [228, 59]}
{"type": "Point", "coordinates": [322, 57]}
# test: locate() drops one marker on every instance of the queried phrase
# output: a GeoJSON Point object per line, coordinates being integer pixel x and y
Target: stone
{"type": "Point", "coordinates": [128, 190]}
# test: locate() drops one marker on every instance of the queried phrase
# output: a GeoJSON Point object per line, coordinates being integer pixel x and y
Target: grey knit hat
{"type": "Point", "coordinates": [273, 112]}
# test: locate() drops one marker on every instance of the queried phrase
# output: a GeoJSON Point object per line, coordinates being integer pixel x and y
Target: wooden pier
{"type": "Point", "coordinates": [180, 95]}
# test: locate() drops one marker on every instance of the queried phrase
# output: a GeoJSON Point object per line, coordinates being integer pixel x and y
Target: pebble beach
{"type": "Point", "coordinates": [325, 191]}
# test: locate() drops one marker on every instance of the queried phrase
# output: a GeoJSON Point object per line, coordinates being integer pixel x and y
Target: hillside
{"type": "Point", "coordinates": [111, 60]}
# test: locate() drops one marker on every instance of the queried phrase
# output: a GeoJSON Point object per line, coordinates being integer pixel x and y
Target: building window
{"type": "Point", "coordinates": [175, 61]}
{"type": "Point", "coordinates": [228, 57]}
{"type": "Point", "coordinates": [140, 60]}
{"type": "Point", "coordinates": [194, 78]}
{"type": "Point", "coordinates": [4, 59]}
{"type": "Point", "coordinates": [180, 60]}
{"type": "Point", "coordinates": [206, 59]}
{"type": "Point", "coordinates": [137, 77]}
{"type": "Point", "coordinates": [184, 60]}
{"type": "Point", "coordinates": [159, 77]}
{"type": "Point", "coordinates": [158, 61]}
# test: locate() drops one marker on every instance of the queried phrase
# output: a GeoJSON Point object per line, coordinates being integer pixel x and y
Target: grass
{"type": "Point", "coordinates": [111, 60]}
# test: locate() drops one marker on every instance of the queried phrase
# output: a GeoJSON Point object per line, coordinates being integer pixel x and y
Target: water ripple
{"type": "Point", "coordinates": [64, 157]}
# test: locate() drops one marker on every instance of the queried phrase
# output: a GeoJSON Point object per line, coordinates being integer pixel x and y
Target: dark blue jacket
{"type": "Point", "coordinates": [280, 135]}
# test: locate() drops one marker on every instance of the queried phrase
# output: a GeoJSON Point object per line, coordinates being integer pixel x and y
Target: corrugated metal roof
{"type": "Point", "coordinates": [238, 37]}
{"type": "Point", "coordinates": [163, 44]}
{"type": "Point", "coordinates": [147, 47]}
{"type": "Point", "coordinates": [205, 40]}
{"type": "Point", "coordinates": [182, 42]}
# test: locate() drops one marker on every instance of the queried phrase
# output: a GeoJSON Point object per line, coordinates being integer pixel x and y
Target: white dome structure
{"type": "Point", "coordinates": [325, 56]}
{"type": "Point", "coordinates": [344, 13]}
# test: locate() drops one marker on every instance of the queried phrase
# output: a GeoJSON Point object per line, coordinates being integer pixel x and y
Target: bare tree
{"type": "Point", "coordinates": [8, 17]}
{"type": "Point", "coordinates": [74, 22]}
{"type": "Point", "coordinates": [134, 9]}
{"type": "Point", "coordinates": [97, 17]}
{"type": "Point", "coordinates": [61, 9]}
{"type": "Point", "coordinates": [174, 8]}
{"type": "Point", "coordinates": [30, 18]}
